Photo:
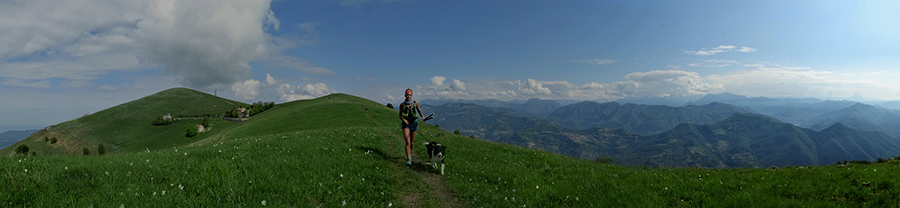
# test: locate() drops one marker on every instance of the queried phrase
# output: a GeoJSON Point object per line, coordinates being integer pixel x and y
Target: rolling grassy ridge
{"type": "Point", "coordinates": [331, 152]}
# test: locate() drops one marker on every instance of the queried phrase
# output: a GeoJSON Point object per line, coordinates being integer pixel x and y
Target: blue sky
{"type": "Point", "coordinates": [61, 60]}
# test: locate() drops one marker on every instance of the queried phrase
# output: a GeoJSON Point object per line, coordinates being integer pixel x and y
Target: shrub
{"type": "Point", "coordinates": [437, 125]}
{"type": "Point", "coordinates": [53, 140]}
{"type": "Point", "coordinates": [456, 132]}
{"type": "Point", "coordinates": [46, 139]}
{"type": "Point", "coordinates": [101, 149]}
{"type": "Point", "coordinates": [160, 121]}
{"type": "Point", "coordinates": [389, 105]}
{"type": "Point", "coordinates": [22, 149]}
{"type": "Point", "coordinates": [86, 151]}
{"type": "Point", "coordinates": [191, 131]}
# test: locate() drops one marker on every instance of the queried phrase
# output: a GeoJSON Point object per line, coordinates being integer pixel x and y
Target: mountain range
{"type": "Point", "coordinates": [713, 135]}
{"type": "Point", "coordinates": [11, 137]}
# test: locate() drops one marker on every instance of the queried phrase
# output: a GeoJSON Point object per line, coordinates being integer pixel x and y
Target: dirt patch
{"type": "Point", "coordinates": [410, 200]}
{"type": "Point", "coordinates": [442, 191]}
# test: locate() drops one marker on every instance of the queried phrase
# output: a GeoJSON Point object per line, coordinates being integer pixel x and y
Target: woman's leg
{"type": "Point", "coordinates": [412, 140]}
{"type": "Point", "coordinates": [406, 136]}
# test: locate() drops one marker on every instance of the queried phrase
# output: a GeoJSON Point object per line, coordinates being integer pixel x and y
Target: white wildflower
{"type": "Point", "coordinates": [344, 203]}
{"type": "Point", "coordinates": [342, 175]}
{"type": "Point", "coordinates": [391, 203]}
{"type": "Point", "coordinates": [154, 193]}
{"type": "Point", "coordinates": [537, 187]}
{"type": "Point", "coordinates": [26, 170]}
{"type": "Point", "coordinates": [264, 202]}
{"type": "Point", "coordinates": [67, 168]}
{"type": "Point", "coordinates": [163, 192]}
{"type": "Point", "coordinates": [180, 187]}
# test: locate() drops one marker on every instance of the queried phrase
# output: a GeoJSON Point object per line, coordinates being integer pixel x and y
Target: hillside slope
{"type": "Point", "coordinates": [344, 151]}
{"type": "Point", "coordinates": [127, 127]}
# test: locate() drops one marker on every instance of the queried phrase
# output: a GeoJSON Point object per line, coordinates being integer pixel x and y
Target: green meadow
{"type": "Point", "coordinates": [345, 151]}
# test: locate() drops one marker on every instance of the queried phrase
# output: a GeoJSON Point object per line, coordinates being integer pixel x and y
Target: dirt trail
{"type": "Point", "coordinates": [436, 183]}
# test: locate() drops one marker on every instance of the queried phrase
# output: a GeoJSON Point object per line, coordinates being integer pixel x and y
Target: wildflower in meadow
{"type": "Point", "coordinates": [264, 202]}
{"type": "Point", "coordinates": [180, 187]}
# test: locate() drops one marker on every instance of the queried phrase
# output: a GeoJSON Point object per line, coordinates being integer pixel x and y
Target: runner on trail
{"type": "Point", "coordinates": [409, 114]}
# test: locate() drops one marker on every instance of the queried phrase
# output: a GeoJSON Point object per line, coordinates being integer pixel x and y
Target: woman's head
{"type": "Point", "coordinates": [408, 94]}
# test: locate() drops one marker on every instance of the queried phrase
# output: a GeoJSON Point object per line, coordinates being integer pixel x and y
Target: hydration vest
{"type": "Point", "coordinates": [408, 111]}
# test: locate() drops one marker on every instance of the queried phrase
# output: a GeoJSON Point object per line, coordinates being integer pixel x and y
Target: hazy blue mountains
{"type": "Point", "coordinates": [860, 117]}
{"type": "Point", "coordinates": [643, 119]}
{"type": "Point", "coordinates": [749, 140]}
{"type": "Point", "coordinates": [11, 137]}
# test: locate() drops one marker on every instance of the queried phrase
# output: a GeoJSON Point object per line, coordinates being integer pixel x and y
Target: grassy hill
{"type": "Point", "coordinates": [345, 151]}
{"type": "Point", "coordinates": [127, 127]}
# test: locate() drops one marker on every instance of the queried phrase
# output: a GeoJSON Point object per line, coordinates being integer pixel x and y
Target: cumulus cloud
{"type": "Point", "coordinates": [310, 91]}
{"type": "Point", "coordinates": [534, 87]}
{"type": "Point", "coordinates": [458, 85]}
{"type": "Point", "coordinates": [206, 43]}
{"type": "Point", "coordinates": [246, 90]}
{"type": "Point", "coordinates": [437, 80]}
{"type": "Point", "coordinates": [595, 61]}
{"type": "Point", "coordinates": [269, 79]}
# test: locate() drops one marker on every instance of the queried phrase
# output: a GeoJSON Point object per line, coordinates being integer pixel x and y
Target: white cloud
{"type": "Point", "coordinates": [25, 83]}
{"type": "Point", "coordinates": [246, 90]}
{"type": "Point", "coordinates": [438, 80]}
{"type": "Point", "coordinates": [269, 79]}
{"type": "Point", "coordinates": [458, 85]}
{"type": "Point", "coordinates": [532, 86]}
{"type": "Point", "coordinates": [310, 91]}
{"type": "Point", "coordinates": [719, 49]}
{"type": "Point", "coordinates": [747, 49]}
{"type": "Point", "coordinates": [208, 43]}
{"type": "Point", "coordinates": [595, 61]}
{"type": "Point", "coordinates": [714, 63]}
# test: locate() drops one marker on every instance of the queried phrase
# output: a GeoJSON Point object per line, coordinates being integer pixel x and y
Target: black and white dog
{"type": "Point", "coordinates": [436, 152]}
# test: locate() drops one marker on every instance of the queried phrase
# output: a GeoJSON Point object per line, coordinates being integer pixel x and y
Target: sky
{"type": "Point", "coordinates": [60, 60]}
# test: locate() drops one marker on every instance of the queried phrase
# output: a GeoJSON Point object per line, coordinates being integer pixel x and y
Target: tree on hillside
{"type": "Point", "coordinates": [101, 149]}
{"type": "Point", "coordinates": [191, 131]}
{"type": "Point", "coordinates": [86, 151]}
{"type": "Point", "coordinates": [22, 149]}
{"type": "Point", "coordinates": [53, 140]}
{"type": "Point", "coordinates": [389, 105]}
{"type": "Point", "coordinates": [205, 122]}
